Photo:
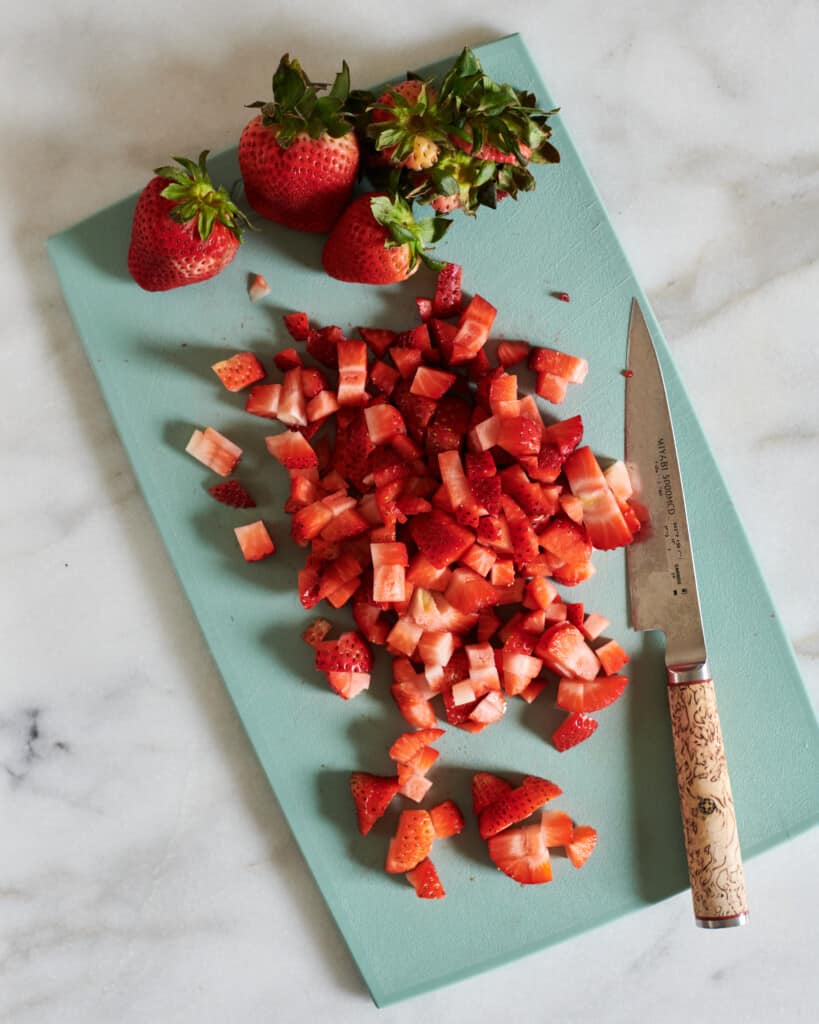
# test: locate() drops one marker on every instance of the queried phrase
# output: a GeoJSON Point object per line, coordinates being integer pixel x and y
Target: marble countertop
{"type": "Point", "coordinates": [145, 869]}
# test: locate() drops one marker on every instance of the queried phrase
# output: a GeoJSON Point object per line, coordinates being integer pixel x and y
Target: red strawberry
{"type": "Point", "coordinates": [409, 743]}
{"type": "Point", "coordinates": [184, 230]}
{"type": "Point", "coordinates": [583, 842]}
{"type": "Point", "coordinates": [372, 795]}
{"type": "Point", "coordinates": [516, 805]}
{"type": "Point", "coordinates": [214, 450]}
{"type": "Point", "coordinates": [316, 632]}
{"type": "Point", "coordinates": [448, 296]}
{"type": "Point", "coordinates": [512, 352]}
{"type": "Point", "coordinates": [425, 881]}
{"type": "Point", "coordinates": [522, 854]}
{"type": "Point", "coordinates": [350, 653]}
{"type": "Point", "coordinates": [601, 514]}
{"type": "Point", "coordinates": [486, 789]}
{"type": "Point", "coordinates": [439, 537]}
{"type": "Point", "coordinates": [556, 827]}
{"type": "Point", "coordinates": [564, 650]}
{"type": "Point", "coordinates": [255, 542]}
{"type": "Point", "coordinates": [299, 156]}
{"type": "Point", "coordinates": [257, 287]}
{"type": "Point", "coordinates": [612, 657]}
{"type": "Point", "coordinates": [292, 449]}
{"type": "Point", "coordinates": [575, 728]}
{"type": "Point", "coordinates": [232, 493]}
{"type": "Point", "coordinates": [447, 819]}
{"type": "Point", "coordinates": [448, 425]}
{"type": "Point", "coordinates": [377, 241]}
{"type": "Point", "coordinates": [298, 326]}
{"type": "Point", "coordinates": [411, 843]}
{"type": "Point", "coordinates": [404, 125]}
{"type": "Point", "coordinates": [239, 371]}
{"type": "Point", "coordinates": [590, 694]}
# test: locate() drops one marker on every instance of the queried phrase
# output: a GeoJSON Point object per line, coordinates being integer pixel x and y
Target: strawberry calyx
{"type": "Point", "coordinates": [404, 119]}
{"type": "Point", "coordinates": [195, 196]}
{"type": "Point", "coordinates": [395, 215]}
{"type": "Point", "coordinates": [298, 106]}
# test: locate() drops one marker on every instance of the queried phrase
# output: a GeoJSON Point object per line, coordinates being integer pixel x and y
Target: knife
{"type": "Point", "coordinates": [663, 595]}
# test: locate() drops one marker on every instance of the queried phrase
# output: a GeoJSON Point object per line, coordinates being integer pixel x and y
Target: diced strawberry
{"type": "Point", "coordinates": [214, 450]}
{"type": "Point", "coordinates": [322, 345]}
{"type": "Point", "coordinates": [618, 479]}
{"type": "Point", "coordinates": [350, 653]}
{"type": "Point", "coordinates": [591, 627]}
{"type": "Point", "coordinates": [435, 647]}
{"type": "Point", "coordinates": [575, 615]}
{"type": "Point", "coordinates": [556, 827]}
{"type": "Point", "coordinates": [486, 789]}
{"type": "Point", "coordinates": [416, 410]}
{"type": "Point", "coordinates": [575, 728]}
{"type": "Point", "coordinates": [448, 426]}
{"type": "Point", "coordinates": [522, 854]}
{"type": "Point", "coordinates": [581, 847]}
{"type": "Point", "coordinates": [601, 514]}
{"type": "Point", "coordinates": [255, 541]}
{"type": "Point", "coordinates": [549, 360]}
{"type": "Point", "coordinates": [257, 287]}
{"type": "Point", "coordinates": [232, 493]}
{"type": "Point", "coordinates": [539, 593]}
{"type": "Point", "coordinates": [533, 690]}
{"type": "Point", "coordinates": [490, 708]}
{"type": "Point", "coordinates": [321, 406]}
{"type": "Point", "coordinates": [409, 743]}
{"type": "Point", "coordinates": [424, 307]}
{"type": "Point", "coordinates": [403, 637]}
{"type": "Point", "coordinates": [523, 538]}
{"type": "Point", "coordinates": [518, 671]}
{"type": "Point", "coordinates": [287, 359]}
{"type": "Point", "coordinates": [566, 653]}
{"type": "Point", "coordinates": [516, 805]}
{"type": "Point", "coordinates": [352, 372]}
{"type": "Point", "coordinates": [566, 540]}
{"type": "Point", "coordinates": [440, 538]}
{"type": "Point", "coordinates": [473, 330]}
{"type": "Point", "coordinates": [447, 819]}
{"type": "Point", "coordinates": [412, 842]}
{"type": "Point", "coordinates": [417, 712]}
{"type": "Point", "coordinates": [502, 573]}
{"type": "Point", "coordinates": [412, 785]}
{"type": "Point", "coordinates": [408, 360]}
{"type": "Point", "coordinates": [378, 339]}
{"type": "Point", "coordinates": [383, 423]}
{"type": "Point", "coordinates": [612, 657]}
{"type": "Point", "coordinates": [431, 383]}
{"type": "Point", "coordinates": [263, 400]}
{"type": "Point", "coordinates": [503, 395]}
{"type": "Point", "coordinates": [316, 632]}
{"type": "Point", "coordinates": [572, 506]}
{"type": "Point", "coordinates": [551, 387]}
{"type": "Point", "coordinates": [298, 326]}
{"type": "Point", "coordinates": [512, 352]}
{"type": "Point", "coordinates": [372, 795]}
{"type": "Point", "coordinates": [448, 297]}
{"type": "Point", "coordinates": [240, 371]}
{"type": "Point", "coordinates": [519, 436]}
{"type": "Point", "coordinates": [565, 434]}
{"type": "Point", "coordinates": [292, 410]}
{"type": "Point", "coordinates": [425, 881]}
{"type": "Point", "coordinates": [590, 694]}
{"type": "Point", "coordinates": [291, 449]}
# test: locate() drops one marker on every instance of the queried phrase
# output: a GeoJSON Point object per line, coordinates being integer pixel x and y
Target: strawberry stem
{"type": "Point", "coordinates": [195, 196]}
{"type": "Point", "coordinates": [395, 214]}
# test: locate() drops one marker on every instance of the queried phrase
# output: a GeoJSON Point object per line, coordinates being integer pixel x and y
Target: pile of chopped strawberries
{"type": "Point", "coordinates": [437, 503]}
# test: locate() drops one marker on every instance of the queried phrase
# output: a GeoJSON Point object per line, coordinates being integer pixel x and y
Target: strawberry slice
{"type": "Point", "coordinates": [430, 383]}
{"type": "Point", "coordinates": [447, 819]}
{"type": "Point", "coordinates": [590, 695]}
{"type": "Point", "coordinates": [522, 854]}
{"type": "Point", "coordinates": [486, 789]}
{"type": "Point", "coordinates": [372, 795]}
{"type": "Point", "coordinates": [292, 450]}
{"type": "Point", "coordinates": [512, 352]}
{"type": "Point", "coordinates": [473, 330]}
{"type": "Point", "coordinates": [556, 827]}
{"type": "Point", "coordinates": [448, 297]}
{"type": "Point", "coordinates": [214, 450]}
{"type": "Point", "coordinates": [583, 842]}
{"type": "Point", "coordinates": [516, 805]}
{"type": "Point", "coordinates": [425, 881]}
{"type": "Point", "coordinates": [255, 541]}
{"type": "Point", "coordinates": [263, 400]}
{"type": "Point", "coordinates": [601, 513]}
{"type": "Point", "coordinates": [412, 841]}
{"type": "Point", "coordinates": [240, 371]}
{"type": "Point", "coordinates": [575, 728]}
{"type": "Point", "coordinates": [232, 493]}
{"type": "Point", "coordinates": [352, 373]}
{"type": "Point", "coordinates": [409, 743]}
{"type": "Point", "coordinates": [612, 657]}
{"type": "Point", "coordinates": [548, 360]}
{"type": "Point", "coordinates": [298, 326]}
{"type": "Point", "coordinates": [564, 650]}
{"type": "Point", "coordinates": [350, 653]}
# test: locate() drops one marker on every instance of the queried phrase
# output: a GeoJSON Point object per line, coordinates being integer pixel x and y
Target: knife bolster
{"type": "Point", "coordinates": [681, 675]}
{"type": "Point", "coordinates": [707, 806]}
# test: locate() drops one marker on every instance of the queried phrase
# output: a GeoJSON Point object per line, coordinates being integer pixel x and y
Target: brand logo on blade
{"type": "Point", "coordinates": [673, 537]}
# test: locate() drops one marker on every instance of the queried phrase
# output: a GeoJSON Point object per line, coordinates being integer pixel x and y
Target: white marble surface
{"type": "Point", "coordinates": [145, 870]}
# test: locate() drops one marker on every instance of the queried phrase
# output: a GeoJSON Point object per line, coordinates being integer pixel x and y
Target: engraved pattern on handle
{"type": "Point", "coordinates": [709, 821]}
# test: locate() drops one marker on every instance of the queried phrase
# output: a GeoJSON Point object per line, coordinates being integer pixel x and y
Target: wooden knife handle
{"type": "Point", "coordinates": [708, 818]}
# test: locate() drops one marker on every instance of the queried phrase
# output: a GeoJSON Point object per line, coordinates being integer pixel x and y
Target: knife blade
{"type": "Point", "coordinates": [663, 596]}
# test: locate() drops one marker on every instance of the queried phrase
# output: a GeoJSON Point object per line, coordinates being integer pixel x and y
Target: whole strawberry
{"type": "Point", "coordinates": [184, 229]}
{"type": "Point", "coordinates": [299, 157]}
{"type": "Point", "coordinates": [377, 241]}
{"type": "Point", "coordinates": [405, 126]}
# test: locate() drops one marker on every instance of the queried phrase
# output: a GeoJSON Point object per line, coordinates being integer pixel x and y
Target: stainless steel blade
{"type": "Point", "coordinates": [662, 583]}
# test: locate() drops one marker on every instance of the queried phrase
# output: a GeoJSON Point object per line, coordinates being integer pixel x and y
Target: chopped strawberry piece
{"type": "Point", "coordinates": [591, 627]}
{"type": "Point", "coordinates": [447, 819]}
{"type": "Point", "coordinates": [551, 387]}
{"type": "Point", "coordinates": [549, 360]}
{"type": "Point", "coordinates": [255, 541]}
{"type": "Point", "coordinates": [440, 538]}
{"type": "Point", "coordinates": [298, 326]}
{"type": "Point", "coordinates": [322, 345]}
{"type": "Point", "coordinates": [316, 632]}
{"type": "Point", "coordinates": [409, 743]}
{"type": "Point", "coordinates": [575, 728]}
{"type": "Point", "coordinates": [384, 377]}
{"type": "Point", "coordinates": [566, 435]}
{"type": "Point", "coordinates": [350, 653]}
{"type": "Point", "coordinates": [412, 841]}
{"type": "Point", "coordinates": [486, 789]}
{"type": "Point", "coordinates": [408, 360]}
{"type": "Point", "coordinates": [448, 424]}
{"type": "Point", "coordinates": [519, 436]}
{"type": "Point", "coordinates": [565, 651]}
{"type": "Point", "coordinates": [263, 400]}
{"type": "Point", "coordinates": [232, 493]}
{"type": "Point", "coordinates": [448, 297]}
{"type": "Point", "coordinates": [378, 339]}
{"type": "Point", "coordinates": [257, 287]}
{"type": "Point", "coordinates": [424, 307]}
{"type": "Point", "coordinates": [612, 657]}
{"type": "Point", "coordinates": [490, 708]}
{"type": "Point", "coordinates": [384, 422]}
{"type": "Point", "coordinates": [431, 383]}
{"type": "Point", "coordinates": [287, 359]}
{"type": "Point", "coordinates": [522, 854]}
{"type": "Point", "coordinates": [292, 410]}
{"type": "Point", "coordinates": [372, 795]}
{"type": "Point", "coordinates": [425, 881]}
{"type": "Point", "coordinates": [590, 694]}
{"type": "Point", "coordinates": [512, 352]}
{"type": "Point", "coordinates": [240, 371]}
{"type": "Point", "coordinates": [473, 330]}
{"type": "Point", "coordinates": [516, 805]}
{"type": "Point", "coordinates": [556, 827]}
{"type": "Point", "coordinates": [352, 373]}
{"type": "Point", "coordinates": [321, 406]}
{"type": "Point", "coordinates": [583, 842]}
{"type": "Point", "coordinates": [601, 514]}
{"type": "Point", "coordinates": [292, 450]}
{"type": "Point", "coordinates": [214, 450]}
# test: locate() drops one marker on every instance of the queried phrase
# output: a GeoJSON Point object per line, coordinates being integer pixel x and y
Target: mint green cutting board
{"type": "Point", "coordinates": [152, 354]}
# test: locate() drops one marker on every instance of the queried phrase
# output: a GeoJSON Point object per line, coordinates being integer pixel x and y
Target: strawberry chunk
{"type": "Point", "coordinates": [591, 694]}
{"type": "Point", "coordinates": [440, 538]}
{"type": "Point", "coordinates": [240, 371]}
{"type": "Point", "coordinates": [447, 819]}
{"type": "Point", "coordinates": [255, 541]}
{"type": "Point", "coordinates": [232, 493]}
{"type": "Point", "coordinates": [409, 743]}
{"type": "Point", "coordinates": [583, 842]}
{"type": "Point", "coordinates": [372, 795]}
{"type": "Point", "coordinates": [548, 360]}
{"type": "Point", "coordinates": [214, 450]}
{"type": "Point", "coordinates": [298, 326]}
{"type": "Point", "coordinates": [257, 287]}
{"type": "Point", "coordinates": [512, 352]}
{"type": "Point", "coordinates": [448, 297]}
{"type": "Point", "coordinates": [575, 728]}
{"type": "Point", "coordinates": [516, 805]}
{"type": "Point", "coordinates": [430, 383]}
{"type": "Point", "coordinates": [522, 854]}
{"type": "Point", "coordinates": [412, 841]}
{"type": "Point", "coordinates": [425, 881]}
{"type": "Point", "coordinates": [612, 657]}
{"type": "Point", "coordinates": [564, 650]}
{"type": "Point", "coordinates": [292, 450]}
{"type": "Point", "coordinates": [486, 789]}
{"type": "Point", "coordinates": [602, 517]}
{"type": "Point", "coordinates": [263, 400]}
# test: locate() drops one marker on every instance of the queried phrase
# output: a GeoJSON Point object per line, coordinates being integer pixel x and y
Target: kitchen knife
{"type": "Point", "coordinates": [663, 595]}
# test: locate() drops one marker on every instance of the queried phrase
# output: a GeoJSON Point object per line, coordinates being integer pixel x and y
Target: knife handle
{"type": "Point", "coordinates": [708, 818]}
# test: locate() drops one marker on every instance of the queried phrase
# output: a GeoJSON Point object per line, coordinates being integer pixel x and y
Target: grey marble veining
{"type": "Point", "coordinates": [146, 872]}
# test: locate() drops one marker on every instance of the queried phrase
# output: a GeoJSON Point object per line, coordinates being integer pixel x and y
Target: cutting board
{"type": "Point", "coordinates": [152, 355]}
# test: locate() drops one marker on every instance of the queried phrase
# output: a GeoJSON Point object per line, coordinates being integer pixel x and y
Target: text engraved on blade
{"type": "Point", "coordinates": [672, 533]}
